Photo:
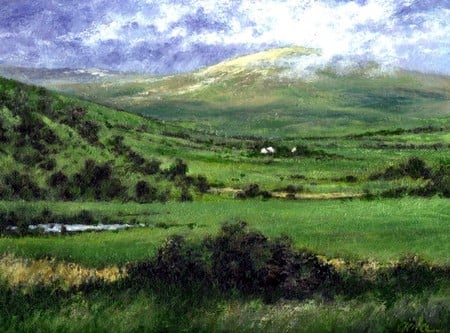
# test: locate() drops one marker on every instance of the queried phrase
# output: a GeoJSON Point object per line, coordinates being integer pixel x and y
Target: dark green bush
{"type": "Point", "coordinates": [151, 167]}
{"type": "Point", "coordinates": [58, 179]}
{"type": "Point", "coordinates": [145, 192]}
{"type": "Point", "coordinates": [239, 260]}
{"type": "Point", "coordinates": [110, 189]}
{"type": "Point", "coordinates": [414, 168]}
{"type": "Point", "coordinates": [179, 168]}
{"type": "Point", "coordinates": [201, 183]}
{"type": "Point", "coordinates": [135, 158]}
{"type": "Point", "coordinates": [185, 195]}
{"type": "Point", "coordinates": [253, 191]}
{"type": "Point", "coordinates": [175, 263]}
{"type": "Point", "coordinates": [48, 164]}
{"type": "Point", "coordinates": [22, 186]}
{"type": "Point", "coordinates": [89, 129]}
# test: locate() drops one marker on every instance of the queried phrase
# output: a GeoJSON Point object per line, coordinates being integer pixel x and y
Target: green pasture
{"type": "Point", "coordinates": [381, 230]}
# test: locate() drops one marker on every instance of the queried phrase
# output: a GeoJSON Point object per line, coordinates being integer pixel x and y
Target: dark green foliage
{"type": "Point", "coordinates": [250, 262]}
{"type": "Point", "coordinates": [85, 217]}
{"type": "Point", "coordinates": [151, 167]}
{"type": "Point", "coordinates": [4, 136]}
{"type": "Point", "coordinates": [292, 189]}
{"type": "Point", "coordinates": [113, 188]}
{"type": "Point", "coordinates": [117, 144]}
{"type": "Point", "coordinates": [45, 103]}
{"type": "Point", "coordinates": [179, 168]}
{"type": "Point", "coordinates": [95, 180]}
{"type": "Point", "coordinates": [145, 192]}
{"type": "Point", "coordinates": [240, 260]}
{"type": "Point", "coordinates": [412, 274]}
{"type": "Point", "coordinates": [73, 116]}
{"type": "Point", "coordinates": [22, 186]}
{"type": "Point", "coordinates": [253, 191]}
{"type": "Point", "coordinates": [439, 183]}
{"type": "Point", "coordinates": [439, 180]}
{"type": "Point", "coordinates": [58, 179]}
{"type": "Point", "coordinates": [201, 183]}
{"type": "Point", "coordinates": [135, 158]}
{"type": "Point", "coordinates": [185, 194]}
{"type": "Point", "coordinates": [140, 164]}
{"type": "Point", "coordinates": [48, 165]}
{"type": "Point", "coordinates": [89, 129]}
{"type": "Point", "coordinates": [351, 179]}
{"type": "Point", "coordinates": [175, 263]}
{"type": "Point", "coordinates": [415, 326]}
{"type": "Point", "coordinates": [414, 168]}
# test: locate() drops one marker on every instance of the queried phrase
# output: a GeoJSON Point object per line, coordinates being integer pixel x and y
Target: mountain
{"type": "Point", "coordinates": [60, 76]}
{"type": "Point", "coordinates": [279, 92]}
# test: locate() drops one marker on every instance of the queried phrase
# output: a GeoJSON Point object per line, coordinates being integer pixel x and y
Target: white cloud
{"type": "Point", "coordinates": [373, 29]}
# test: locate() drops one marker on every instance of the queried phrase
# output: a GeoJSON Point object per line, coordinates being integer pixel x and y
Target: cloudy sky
{"type": "Point", "coordinates": [171, 36]}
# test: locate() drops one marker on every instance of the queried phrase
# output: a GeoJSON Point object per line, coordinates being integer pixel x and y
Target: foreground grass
{"type": "Point", "coordinates": [170, 310]}
{"type": "Point", "coordinates": [382, 230]}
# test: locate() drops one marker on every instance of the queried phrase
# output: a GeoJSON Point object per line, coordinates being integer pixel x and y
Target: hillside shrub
{"type": "Point", "coordinates": [48, 164]}
{"type": "Point", "coordinates": [89, 130]}
{"type": "Point", "coordinates": [73, 116]}
{"type": "Point", "coordinates": [185, 195]}
{"type": "Point", "coordinates": [22, 186]}
{"type": "Point", "coordinates": [57, 179]}
{"type": "Point", "coordinates": [94, 181]}
{"type": "Point", "coordinates": [145, 192]}
{"type": "Point", "coordinates": [135, 158]}
{"type": "Point", "coordinates": [201, 183]}
{"type": "Point", "coordinates": [4, 135]}
{"type": "Point", "coordinates": [110, 189]}
{"type": "Point", "coordinates": [414, 168]}
{"type": "Point", "coordinates": [179, 168]}
{"type": "Point", "coordinates": [151, 167]}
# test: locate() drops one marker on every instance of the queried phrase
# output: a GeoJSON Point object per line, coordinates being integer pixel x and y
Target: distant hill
{"type": "Point", "coordinates": [276, 93]}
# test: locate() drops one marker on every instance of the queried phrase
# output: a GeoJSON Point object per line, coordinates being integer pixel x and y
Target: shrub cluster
{"type": "Point", "coordinates": [88, 129]}
{"type": "Point", "coordinates": [414, 168]}
{"type": "Point", "coordinates": [438, 180]}
{"type": "Point", "coordinates": [253, 191]}
{"type": "Point", "coordinates": [93, 181]}
{"type": "Point", "coordinates": [139, 163]}
{"type": "Point", "coordinates": [238, 259]}
{"type": "Point", "coordinates": [18, 185]}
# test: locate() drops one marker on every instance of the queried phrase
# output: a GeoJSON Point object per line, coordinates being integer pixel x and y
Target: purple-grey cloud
{"type": "Point", "coordinates": [167, 36]}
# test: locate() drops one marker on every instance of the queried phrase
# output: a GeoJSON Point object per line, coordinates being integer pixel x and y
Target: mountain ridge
{"type": "Point", "coordinates": [258, 94]}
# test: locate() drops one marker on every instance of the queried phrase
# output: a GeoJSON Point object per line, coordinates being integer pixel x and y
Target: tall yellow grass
{"type": "Point", "coordinates": [21, 272]}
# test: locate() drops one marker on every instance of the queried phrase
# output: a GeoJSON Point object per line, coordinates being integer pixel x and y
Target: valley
{"type": "Point", "coordinates": [353, 194]}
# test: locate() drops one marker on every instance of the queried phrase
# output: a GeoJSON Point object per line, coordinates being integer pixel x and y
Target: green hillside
{"type": "Point", "coordinates": [48, 138]}
{"type": "Point", "coordinates": [55, 147]}
{"type": "Point", "coordinates": [262, 94]}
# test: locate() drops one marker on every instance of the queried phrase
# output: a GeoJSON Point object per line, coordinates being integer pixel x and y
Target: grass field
{"type": "Point", "coordinates": [382, 230]}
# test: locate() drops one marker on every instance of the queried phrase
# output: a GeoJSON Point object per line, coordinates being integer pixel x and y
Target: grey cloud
{"type": "Point", "coordinates": [56, 33]}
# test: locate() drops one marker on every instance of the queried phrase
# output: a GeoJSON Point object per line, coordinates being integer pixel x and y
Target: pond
{"type": "Point", "coordinates": [58, 228]}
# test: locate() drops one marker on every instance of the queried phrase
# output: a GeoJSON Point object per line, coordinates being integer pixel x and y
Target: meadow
{"type": "Point", "coordinates": [381, 230]}
{"type": "Point", "coordinates": [367, 204]}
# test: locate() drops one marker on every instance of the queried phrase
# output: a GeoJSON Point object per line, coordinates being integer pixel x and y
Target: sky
{"type": "Point", "coordinates": [169, 36]}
